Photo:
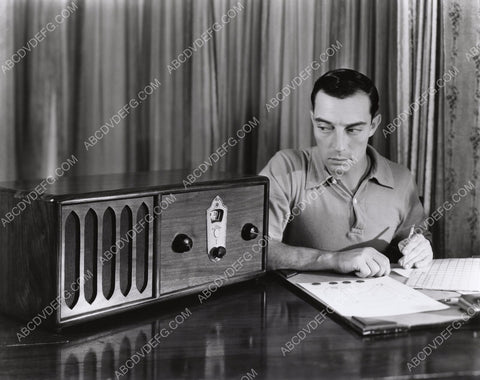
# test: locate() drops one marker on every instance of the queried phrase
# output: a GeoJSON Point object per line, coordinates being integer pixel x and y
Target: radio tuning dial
{"type": "Point", "coordinates": [218, 252]}
{"type": "Point", "coordinates": [182, 243]}
{"type": "Point", "coordinates": [249, 231]}
{"type": "Point", "coordinates": [216, 223]}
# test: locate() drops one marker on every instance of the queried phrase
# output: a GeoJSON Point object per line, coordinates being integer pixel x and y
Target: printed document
{"type": "Point", "coordinates": [373, 297]}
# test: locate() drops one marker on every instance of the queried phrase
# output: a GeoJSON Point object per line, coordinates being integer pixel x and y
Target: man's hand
{"type": "Point", "coordinates": [416, 251]}
{"type": "Point", "coordinates": [365, 262]}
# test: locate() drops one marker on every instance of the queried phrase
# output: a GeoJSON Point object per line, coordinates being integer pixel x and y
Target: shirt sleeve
{"type": "Point", "coordinates": [279, 202]}
{"type": "Point", "coordinates": [413, 215]}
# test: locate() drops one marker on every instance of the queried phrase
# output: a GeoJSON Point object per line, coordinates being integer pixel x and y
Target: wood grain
{"type": "Point", "coordinates": [28, 260]}
{"type": "Point", "coordinates": [188, 216]}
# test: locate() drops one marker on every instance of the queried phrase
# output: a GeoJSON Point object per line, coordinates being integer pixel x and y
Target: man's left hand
{"type": "Point", "coordinates": [416, 251]}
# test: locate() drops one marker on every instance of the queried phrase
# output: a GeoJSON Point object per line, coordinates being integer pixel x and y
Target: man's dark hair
{"type": "Point", "coordinates": [342, 83]}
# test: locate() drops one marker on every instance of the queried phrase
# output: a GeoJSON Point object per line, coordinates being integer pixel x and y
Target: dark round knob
{"type": "Point", "coordinates": [249, 231]}
{"type": "Point", "coordinates": [182, 243]}
{"type": "Point", "coordinates": [218, 252]}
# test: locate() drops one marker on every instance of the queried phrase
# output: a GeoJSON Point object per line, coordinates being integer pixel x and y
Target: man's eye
{"type": "Point", "coordinates": [324, 128]}
{"type": "Point", "coordinates": [354, 131]}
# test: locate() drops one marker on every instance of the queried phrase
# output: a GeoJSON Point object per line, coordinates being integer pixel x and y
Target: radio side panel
{"type": "Point", "coordinates": [28, 243]}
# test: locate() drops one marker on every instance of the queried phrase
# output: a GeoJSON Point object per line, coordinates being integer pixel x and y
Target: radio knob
{"type": "Point", "coordinates": [249, 231]}
{"type": "Point", "coordinates": [218, 252]}
{"type": "Point", "coordinates": [182, 243]}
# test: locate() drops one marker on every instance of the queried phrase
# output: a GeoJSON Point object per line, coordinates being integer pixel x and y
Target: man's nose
{"type": "Point", "coordinates": [339, 141]}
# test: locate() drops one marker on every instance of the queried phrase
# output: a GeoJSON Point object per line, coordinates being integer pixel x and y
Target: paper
{"type": "Point", "coordinates": [448, 274]}
{"type": "Point", "coordinates": [402, 271]}
{"type": "Point", "coordinates": [374, 297]}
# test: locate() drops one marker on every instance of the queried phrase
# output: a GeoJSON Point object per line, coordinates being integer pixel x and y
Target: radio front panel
{"type": "Point", "coordinates": [216, 217]}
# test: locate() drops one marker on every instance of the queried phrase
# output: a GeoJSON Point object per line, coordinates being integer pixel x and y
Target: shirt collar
{"type": "Point", "coordinates": [317, 174]}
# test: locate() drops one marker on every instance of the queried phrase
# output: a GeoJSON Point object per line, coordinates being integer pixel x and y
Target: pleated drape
{"type": "Point", "coordinates": [105, 52]}
{"type": "Point", "coordinates": [40, 92]}
{"type": "Point", "coordinates": [7, 131]}
{"type": "Point", "coordinates": [417, 72]}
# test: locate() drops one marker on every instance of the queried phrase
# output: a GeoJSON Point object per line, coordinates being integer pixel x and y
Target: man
{"type": "Point", "coordinates": [342, 206]}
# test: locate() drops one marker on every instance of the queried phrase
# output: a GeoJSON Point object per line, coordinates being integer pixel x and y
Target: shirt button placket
{"type": "Point", "coordinates": [358, 225]}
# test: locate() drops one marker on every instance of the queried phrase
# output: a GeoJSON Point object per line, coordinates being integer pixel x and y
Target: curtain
{"type": "Point", "coordinates": [413, 128]}
{"type": "Point", "coordinates": [208, 98]}
{"type": "Point", "coordinates": [56, 100]}
{"type": "Point", "coordinates": [40, 94]}
{"type": "Point", "coordinates": [458, 143]}
{"type": "Point", "coordinates": [7, 146]}
{"type": "Point", "coordinates": [58, 97]}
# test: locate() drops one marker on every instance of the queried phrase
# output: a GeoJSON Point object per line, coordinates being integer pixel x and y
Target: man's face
{"type": "Point", "coordinates": [342, 128]}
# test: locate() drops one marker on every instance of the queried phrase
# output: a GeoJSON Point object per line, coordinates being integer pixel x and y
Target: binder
{"type": "Point", "coordinates": [395, 324]}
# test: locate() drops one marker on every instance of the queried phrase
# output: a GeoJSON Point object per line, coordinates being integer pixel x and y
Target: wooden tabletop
{"type": "Point", "coordinates": [250, 330]}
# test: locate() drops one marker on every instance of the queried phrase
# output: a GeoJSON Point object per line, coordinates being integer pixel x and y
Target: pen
{"type": "Point", "coordinates": [450, 301]}
{"type": "Point", "coordinates": [405, 242]}
{"type": "Point", "coordinates": [412, 229]}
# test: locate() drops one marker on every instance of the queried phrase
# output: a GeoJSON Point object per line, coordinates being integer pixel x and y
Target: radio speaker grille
{"type": "Point", "coordinates": [107, 255]}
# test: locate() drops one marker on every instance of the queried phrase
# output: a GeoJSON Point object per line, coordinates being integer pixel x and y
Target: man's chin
{"type": "Point", "coordinates": [337, 171]}
{"type": "Point", "coordinates": [340, 168]}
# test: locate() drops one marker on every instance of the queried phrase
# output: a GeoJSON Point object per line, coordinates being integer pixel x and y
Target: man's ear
{"type": "Point", "coordinates": [312, 118]}
{"type": "Point", "coordinates": [375, 123]}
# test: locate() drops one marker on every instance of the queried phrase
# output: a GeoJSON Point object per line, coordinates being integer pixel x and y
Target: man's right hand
{"type": "Point", "coordinates": [365, 262]}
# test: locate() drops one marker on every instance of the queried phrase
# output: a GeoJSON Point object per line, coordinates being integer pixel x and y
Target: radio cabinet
{"type": "Point", "coordinates": [91, 246]}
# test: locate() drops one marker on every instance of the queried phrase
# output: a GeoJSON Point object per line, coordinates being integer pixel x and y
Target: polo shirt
{"type": "Point", "coordinates": [310, 208]}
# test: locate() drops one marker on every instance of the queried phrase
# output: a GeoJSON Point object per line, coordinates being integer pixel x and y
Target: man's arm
{"type": "Point", "coordinates": [364, 262]}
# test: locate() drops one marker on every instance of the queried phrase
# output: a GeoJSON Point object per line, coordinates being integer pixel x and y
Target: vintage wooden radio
{"type": "Point", "coordinates": [90, 246]}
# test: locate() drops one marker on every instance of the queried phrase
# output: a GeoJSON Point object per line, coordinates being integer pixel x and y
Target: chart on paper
{"type": "Point", "coordinates": [448, 274]}
{"type": "Point", "coordinates": [375, 297]}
